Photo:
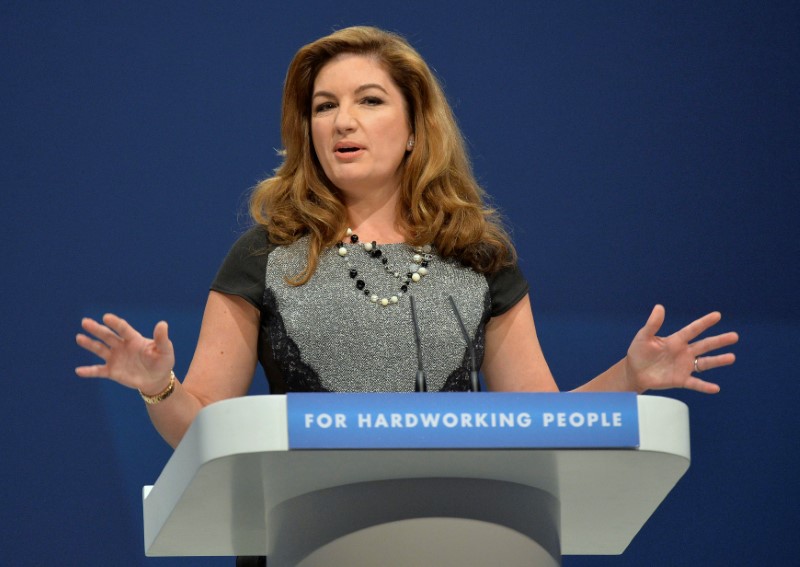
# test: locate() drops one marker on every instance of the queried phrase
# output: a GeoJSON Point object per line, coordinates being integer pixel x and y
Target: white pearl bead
{"type": "Point", "coordinates": [417, 258]}
{"type": "Point", "coordinates": [342, 251]}
{"type": "Point", "coordinates": [349, 231]}
{"type": "Point", "coordinates": [416, 277]}
{"type": "Point", "coordinates": [394, 299]}
{"type": "Point", "coordinates": [374, 298]}
{"type": "Point", "coordinates": [384, 302]}
{"type": "Point", "coordinates": [423, 271]}
{"type": "Point", "coordinates": [426, 249]}
{"type": "Point", "coordinates": [368, 246]}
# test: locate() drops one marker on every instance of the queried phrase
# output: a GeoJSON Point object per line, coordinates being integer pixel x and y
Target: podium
{"type": "Point", "coordinates": [233, 487]}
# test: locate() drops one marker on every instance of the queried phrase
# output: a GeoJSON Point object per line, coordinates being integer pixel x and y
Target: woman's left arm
{"type": "Point", "coordinates": [514, 361]}
{"type": "Point", "coordinates": [659, 363]}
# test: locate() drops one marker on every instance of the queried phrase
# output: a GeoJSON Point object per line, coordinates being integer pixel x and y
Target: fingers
{"type": "Point", "coordinates": [95, 371]}
{"type": "Point", "coordinates": [698, 327]}
{"type": "Point", "coordinates": [111, 335]}
{"type": "Point", "coordinates": [654, 322]}
{"type": "Point", "coordinates": [701, 386]}
{"type": "Point", "coordinates": [161, 337]}
{"type": "Point", "coordinates": [93, 346]}
{"type": "Point", "coordinates": [128, 358]}
{"type": "Point", "coordinates": [710, 362]}
{"type": "Point", "coordinates": [120, 326]}
{"type": "Point", "coordinates": [100, 331]}
{"type": "Point", "coordinates": [108, 337]}
{"type": "Point", "coordinates": [714, 343]}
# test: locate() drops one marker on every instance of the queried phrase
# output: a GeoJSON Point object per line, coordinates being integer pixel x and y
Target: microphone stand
{"type": "Point", "coordinates": [421, 382]}
{"type": "Point", "coordinates": [473, 373]}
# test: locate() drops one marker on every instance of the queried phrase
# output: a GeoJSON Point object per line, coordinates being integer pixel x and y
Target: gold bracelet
{"type": "Point", "coordinates": [163, 394]}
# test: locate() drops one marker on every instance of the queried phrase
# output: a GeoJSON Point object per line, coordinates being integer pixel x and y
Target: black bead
{"type": "Point", "coordinates": [384, 260]}
{"type": "Point", "coordinates": [360, 284]}
{"type": "Point", "coordinates": [376, 253]}
{"type": "Point", "coordinates": [424, 264]}
{"type": "Point", "coordinates": [408, 275]}
{"type": "Point", "coordinates": [353, 272]}
{"type": "Point", "coordinates": [353, 238]}
{"type": "Point", "coordinates": [339, 244]}
{"type": "Point", "coordinates": [366, 292]}
{"type": "Point", "coordinates": [374, 244]}
{"type": "Point", "coordinates": [404, 288]}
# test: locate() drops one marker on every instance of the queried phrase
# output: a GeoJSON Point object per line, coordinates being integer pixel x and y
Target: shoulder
{"type": "Point", "coordinates": [507, 286]}
{"type": "Point", "coordinates": [243, 270]}
{"type": "Point", "coordinates": [255, 240]}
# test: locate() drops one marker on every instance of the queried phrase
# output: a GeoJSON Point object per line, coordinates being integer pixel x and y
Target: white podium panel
{"type": "Point", "coordinates": [233, 487]}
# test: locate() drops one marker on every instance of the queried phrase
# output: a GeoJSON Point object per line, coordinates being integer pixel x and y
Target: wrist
{"type": "Point", "coordinates": [152, 399]}
{"type": "Point", "coordinates": [629, 377]}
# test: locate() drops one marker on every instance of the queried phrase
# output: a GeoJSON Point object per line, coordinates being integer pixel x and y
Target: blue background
{"type": "Point", "coordinates": [643, 152]}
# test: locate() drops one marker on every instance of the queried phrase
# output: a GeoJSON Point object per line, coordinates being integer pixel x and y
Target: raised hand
{"type": "Point", "coordinates": [656, 363]}
{"type": "Point", "coordinates": [129, 358]}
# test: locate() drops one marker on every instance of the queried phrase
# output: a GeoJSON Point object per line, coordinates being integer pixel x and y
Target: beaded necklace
{"type": "Point", "coordinates": [420, 262]}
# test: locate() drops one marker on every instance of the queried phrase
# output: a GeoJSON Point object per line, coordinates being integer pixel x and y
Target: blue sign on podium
{"type": "Point", "coordinates": [462, 420]}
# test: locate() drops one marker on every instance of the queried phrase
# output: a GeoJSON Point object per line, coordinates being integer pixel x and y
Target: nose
{"type": "Point", "coordinates": [345, 121]}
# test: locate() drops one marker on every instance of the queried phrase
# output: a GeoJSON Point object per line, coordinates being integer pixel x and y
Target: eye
{"type": "Point", "coordinates": [323, 106]}
{"type": "Point", "coordinates": [371, 100]}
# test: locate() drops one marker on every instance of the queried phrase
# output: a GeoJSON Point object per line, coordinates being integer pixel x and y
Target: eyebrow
{"type": "Point", "coordinates": [357, 91]}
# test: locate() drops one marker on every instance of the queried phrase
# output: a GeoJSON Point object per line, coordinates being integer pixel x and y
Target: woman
{"type": "Point", "coordinates": [375, 201]}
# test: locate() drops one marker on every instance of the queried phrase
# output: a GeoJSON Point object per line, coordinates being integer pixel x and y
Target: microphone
{"type": "Point", "coordinates": [475, 385]}
{"type": "Point", "coordinates": [421, 383]}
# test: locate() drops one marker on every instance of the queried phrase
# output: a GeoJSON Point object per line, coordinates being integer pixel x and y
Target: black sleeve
{"type": "Point", "coordinates": [243, 271]}
{"type": "Point", "coordinates": [506, 288]}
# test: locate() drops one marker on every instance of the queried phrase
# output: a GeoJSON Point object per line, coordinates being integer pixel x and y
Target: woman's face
{"type": "Point", "coordinates": [359, 125]}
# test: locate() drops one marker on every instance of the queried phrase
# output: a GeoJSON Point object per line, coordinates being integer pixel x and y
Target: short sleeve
{"type": "Point", "coordinates": [243, 271]}
{"type": "Point", "coordinates": [506, 288]}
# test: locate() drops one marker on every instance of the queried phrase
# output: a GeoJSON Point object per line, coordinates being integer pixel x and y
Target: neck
{"type": "Point", "coordinates": [374, 217]}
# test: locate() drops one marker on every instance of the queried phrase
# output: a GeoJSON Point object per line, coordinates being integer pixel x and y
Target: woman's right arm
{"type": "Point", "coordinates": [222, 367]}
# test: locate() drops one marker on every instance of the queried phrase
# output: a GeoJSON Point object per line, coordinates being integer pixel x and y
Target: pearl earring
{"type": "Point", "coordinates": [410, 144]}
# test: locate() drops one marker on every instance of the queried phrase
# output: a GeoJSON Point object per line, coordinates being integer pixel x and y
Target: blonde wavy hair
{"type": "Point", "coordinates": [440, 201]}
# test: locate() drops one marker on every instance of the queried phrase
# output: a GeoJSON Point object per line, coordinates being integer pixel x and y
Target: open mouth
{"type": "Point", "coordinates": [347, 150]}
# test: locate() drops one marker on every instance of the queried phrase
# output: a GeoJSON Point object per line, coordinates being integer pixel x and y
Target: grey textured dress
{"type": "Point", "coordinates": [329, 334]}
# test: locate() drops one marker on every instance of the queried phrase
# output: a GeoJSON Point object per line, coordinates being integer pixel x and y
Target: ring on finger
{"type": "Point", "coordinates": [696, 369]}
